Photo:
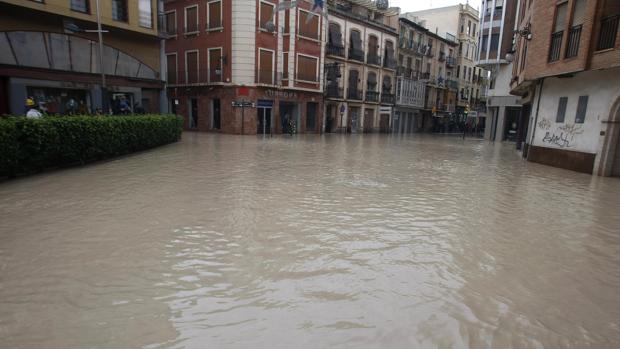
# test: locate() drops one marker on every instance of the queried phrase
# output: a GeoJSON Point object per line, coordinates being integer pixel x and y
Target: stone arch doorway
{"type": "Point", "coordinates": [609, 163]}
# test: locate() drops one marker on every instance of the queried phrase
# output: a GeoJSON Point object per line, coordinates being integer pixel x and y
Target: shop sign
{"type": "Point", "coordinates": [265, 104]}
{"type": "Point", "coordinates": [281, 94]}
{"type": "Point", "coordinates": [385, 109]}
{"type": "Point", "coordinates": [242, 104]}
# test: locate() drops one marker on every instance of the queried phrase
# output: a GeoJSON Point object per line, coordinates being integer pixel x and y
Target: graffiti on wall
{"type": "Point", "coordinates": [564, 136]}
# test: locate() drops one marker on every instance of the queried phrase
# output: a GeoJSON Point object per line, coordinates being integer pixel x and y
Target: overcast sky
{"type": "Point", "coordinates": [417, 5]}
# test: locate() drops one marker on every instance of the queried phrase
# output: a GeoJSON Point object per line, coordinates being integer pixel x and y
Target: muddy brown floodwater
{"type": "Point", "coordinates": [311, 242]}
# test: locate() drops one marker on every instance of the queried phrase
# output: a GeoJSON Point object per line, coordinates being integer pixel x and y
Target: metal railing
{"type": "Point", "coordinates": [608, 33]}
{"type": "Point", "coordinates": [556, 45]}
{"type": "Point", "coordinates": [389, 62]}
{"type": "Point", "coordinates": [574, 35]}
{"type": "Point", "coordinates": [442, 56]}
{"type": "Point", "coordinates": [372, 96]}
{"type": "Point", "coordinates": [388, 98]}
{"type": "Point", "coordinates": [333, 91]}
{"type": "Point", "coordinates": [373, 59]}
{"type": "Point", "coordinates": [450, 61]}
{"type": "Point", "coordinates": [354, 94]}
{"type": "Point", "coordinates": [425, 76]}
{"type": "Point", "coordinates": [356, 55]}
{"type": "Point", "coordinates": [335, 49]}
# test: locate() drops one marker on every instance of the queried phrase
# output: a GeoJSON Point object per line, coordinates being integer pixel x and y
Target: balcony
{"type": "Point", "coordinates": [450, 61]}
{"type": "Point", "coordinates": [574, 35]}
{"type": "Point", "coordinates": [425, 76]}
{"type": "Point", "coordinates": [356, 55]}
{"type": "Point", "coordinates": [333, 91]}
{"type": "Point", "coordinates": [389, 62]}
{"type": "Point", "coordinates": [442, 56]}
{"type": "Point", "coordinates": [405, 72]}
{"type": "Point", "coordinates": [335, 49]}
{"type": "Point", "coordinates": [421, 49]}
{"type": "Point", "coordinates": [373, 59]}
{"type": "Point", "coordinates": [452, 84]}
{"type": "Point", "coordinates": [387, 98]}
{"type": "Point", "coordinates": [372, 97]}
{"type": "Point", "coordinates": [556, 45]}
{"type": "Point", "coordinates": [429, 51]}
{"type": "Point", "coordinates": [354, 94]}
{"type": "Point", "coordinates": [608, 33]}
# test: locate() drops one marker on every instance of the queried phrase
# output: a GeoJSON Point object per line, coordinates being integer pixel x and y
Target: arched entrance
{"type": "Point", "coordinates": [609, 163]}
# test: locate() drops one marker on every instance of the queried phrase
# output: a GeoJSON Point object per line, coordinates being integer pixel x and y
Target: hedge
{"type": "Point", "coordinates": [33, 145]}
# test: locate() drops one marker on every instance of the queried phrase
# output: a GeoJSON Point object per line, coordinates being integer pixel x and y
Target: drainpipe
{"type": "Point", "coordinates": [541, 83]}
{"type": "Point", "coordinates": [163, 68]}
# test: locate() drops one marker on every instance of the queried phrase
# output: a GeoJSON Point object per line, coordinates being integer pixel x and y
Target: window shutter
{"type": "Point", "coordinates": [215, 11]}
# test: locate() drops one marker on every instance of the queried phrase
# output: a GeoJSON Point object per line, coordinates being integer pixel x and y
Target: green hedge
{"type": "Point", "coordinates": [32, 145]}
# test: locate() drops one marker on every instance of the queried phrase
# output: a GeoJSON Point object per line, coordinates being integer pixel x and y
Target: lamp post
{"type": "Point", "coordinates": [72, 27]}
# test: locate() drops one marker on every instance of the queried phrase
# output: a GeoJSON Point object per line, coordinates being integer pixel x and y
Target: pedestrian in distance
{"type": "Point", "coordinates": [33, 112]}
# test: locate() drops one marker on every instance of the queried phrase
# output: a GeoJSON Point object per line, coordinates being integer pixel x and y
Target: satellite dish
{"type": "Point", "coordinates": [382, 4]}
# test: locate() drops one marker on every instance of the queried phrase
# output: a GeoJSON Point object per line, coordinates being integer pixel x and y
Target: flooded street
{"type": "Point", "coordinates": [312, 242]}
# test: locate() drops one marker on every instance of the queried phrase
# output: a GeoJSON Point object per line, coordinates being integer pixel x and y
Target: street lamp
{"type": "Point", "coordinates": [72, 27]}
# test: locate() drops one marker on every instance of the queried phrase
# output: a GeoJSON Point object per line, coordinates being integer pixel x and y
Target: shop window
{"type": "Point", "coordinates": [266, 14]}
{"type": "Point", "coordinates": [145, 11]}
{"type": "Point", "coordinates": [214, 15]}
{"type": "Point", "coordinates": [191, 67]}
{"type": "Point", "coordinates": [191, 19]}
{"type": "Point", "coordinates": [171, 67]}
{"type": "Point", "coordinates": [308, 25]}
{"type": "Point", "coordinates": [561, 109]}
{"type": "Point", "coordinates": [307, 68]}
{"type": "Point", "coordinates": [119, 10]}
{"type": "Point", "coordinates": [80, 6]}
{"type": "Point", "coordinates": [582, 107]}
{"type": "Point", "coordinates": [215, 65]}
{"type": "Point", "coordinates": [265, 66]}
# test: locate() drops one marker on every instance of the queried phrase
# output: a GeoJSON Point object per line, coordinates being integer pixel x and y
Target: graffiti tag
{"type": "Point", "coordinates": [572, 130]}
{"type": "Point", "coordinates": [561, 140]}
{"type": "Point", "coordinates": [545, 124]}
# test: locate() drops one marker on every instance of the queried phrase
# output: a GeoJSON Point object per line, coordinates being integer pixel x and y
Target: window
{"type": "Point", "coordinates": [468, 27]}
{"type": "Point", "coordinates": [266, 15]}
{"type": "Point", "coordinates": [561, 109]}
{"type": "Point", "coordinates": [307, 68]}
{"type": "Point", "coordinates": [460, 48]}
{"type": "Point", "coordinates": [308, 25]}
{"type": "Point", "coordinates": [171, 23]}
{"type": "Point", "coordinates": [265, 66]}
{"type": "Point", "coordinates": [119, 10]}
{"type": "Point", "coordinates": [608, 25]}
{"type": "Point", "coordinates": [560, 17]}
{"type": "Point", "coordinates": [145, 11]}
{"type": "Point", "coordinates": [285, 65]}
{"type": "Point", "coordinates": [582, 106]}
{"type": "Point", "coordinates": [191, 66]}
{"type": "Point", "coordinates": [387, 85]}
{"type": "Point", "coordinates": [191, 19]}
{"type": "Point", "coordinates": [558, 32]}
{"type": "Point", "coordinates": [458, 71]}
{"type": "Point", "coordinates": [574, 33]}
{"type": "Point", "coordinates": [335, 35]}
{"type": "Point", "coordinates": [80, 6]}
{"type": "Point", "coordinates": [494, 42]}
{"type": "Point", "coordinates": [287, 21]}
{"type": "Point", "coordinates": [214, 15]}
{"type": "Point", "coordinates": [371, 82]}
{"type": "Point", "coordinates": [485, 41]}
{"type": "Point", "coordinates": [215, 65]}
{"type": "Point", "coordinates": [171, 67]}
{"type": "Point", "coordinates": [474, 31]}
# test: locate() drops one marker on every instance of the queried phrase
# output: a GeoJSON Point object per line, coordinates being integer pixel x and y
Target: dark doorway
{"type": "Point", "coordinates": [354, 115]}
{"type": "Point", "coordinates": [288, 117]}
{"type": "Point", "coordinates": [511, 124]}
{"type": "Point", "coordinates": [330, 119]}
{"type": "Point", "coordinates": [311, 111]}
{"type": "Point", "coordinates": [217, 118]}
{"type": "Point", "coordinates": [193, 113]}
{"type": "Point", "coordinates": [368, 120]}
{"type": "Point", "coordinates": [263, 121]}
{"type": "Point", "coordinates": [384, 123]}
{"type": "Point", "coordinates": [4, 96]}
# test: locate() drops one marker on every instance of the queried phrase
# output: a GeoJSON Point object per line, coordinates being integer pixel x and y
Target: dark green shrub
{"type": "Point", "coordinates": [31, 145]}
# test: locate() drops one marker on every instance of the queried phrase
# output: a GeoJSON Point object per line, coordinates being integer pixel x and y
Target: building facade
{"type": "Point", "coordinates": [497, 25]}
{"type": "Point", "coordinates": [461, 21]}
{"type": "Point", "coordinates": [244, 67]}
{"type": "Point", "coordinates": [59, 68]}
{"type": "Point", "coordinates": [360, 68]}
{"type": "Point", "coordinates": [426, 87]}
{"type": "Point", "coordinates": [567, 68]}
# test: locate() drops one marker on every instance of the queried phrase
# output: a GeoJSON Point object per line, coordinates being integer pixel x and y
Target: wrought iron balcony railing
{"type": "Point", "coordinates": [335, 49]}
{"type": "Point", "coordinates": [556, 45]}
{"type": "Point", "coordinates": [574, 36]}
{"type": "Point", "coordinates": [333, 91]}
{"type": "Point", "coordinates": [388, 98]}
{"type": "Point", "coordinates": [356, 55]}
{"type": "Point", "coordinates": [373, 59]}
{"type": "Point", "coordinates": [354, 94]}
{"type": "Point", "coordinates": [372, 96]}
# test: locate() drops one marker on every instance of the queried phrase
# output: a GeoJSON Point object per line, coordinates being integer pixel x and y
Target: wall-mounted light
{"type": "Point", "coordinates": [526, 32]}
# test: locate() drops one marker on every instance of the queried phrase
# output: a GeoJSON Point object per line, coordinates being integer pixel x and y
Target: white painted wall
{"type": "Point", "coordinates": [243, 41]}
{"type": "Point", "coordinates": [502, 81]}
{"type": "Point", "coordinates": [603, 90]}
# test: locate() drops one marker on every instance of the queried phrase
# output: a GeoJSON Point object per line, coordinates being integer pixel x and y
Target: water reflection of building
{"type": "Point", "coordinates": [505, 120]}
{"type": "Point", "coordinates": [360, 66]}
{"type": "Point", "coordinates": [222, 52]}
{"type": "Point", "coordinates": [39, 58]}
{"type": "Point", "coordinates": [566, 69]}
{"type": "Point", "coordinates": [426, 87]}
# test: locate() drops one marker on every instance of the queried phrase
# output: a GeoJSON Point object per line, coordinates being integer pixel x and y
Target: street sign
{"type": "Point", "coordinates": [242, 104]}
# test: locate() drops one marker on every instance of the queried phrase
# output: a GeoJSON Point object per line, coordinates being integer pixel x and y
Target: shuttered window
{"type": "Point", "coordinates": [561, 109]}
{"type": "Point", "coordinates": [191, 19]}
{"type": "Point", "coordinates": [582, 107]}
{"type": "Point", "coordinates": [215, 14]}
{"type": "Point", "coordinates": [215, 65]}
{"type": "Point", "coordinates": [308, 25]}
{"type": "Point", "coordinates": [266, 14]}
{"type": "Point", "coordinates": [307, 68]}
{"type": "Point", "coordinates": [171, 23]}
{"type": "Point", "coordinates": [171, 67]}
{"type": "Point", "coordinates": [372, 81]}
{"type": "Point", "coordinates": [80, 6]}
{"type": "Point", "coordinates": [579, 12]}
{"type": "Point", "coordinates": [265, 64]}
{"type": "Point", "coordinates": [356, 40]}
{"type": "Point", "coordinates": [560, 17]}
{"type": "Point", "coordinates": [387, 85]}
{"type": "Point", "coordinates": [191, 67]}
{"type": "Point", "coordinates": [335, 35]}
{"type": "Point", "coordinates": [285, 65]}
